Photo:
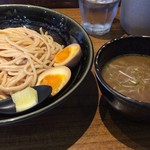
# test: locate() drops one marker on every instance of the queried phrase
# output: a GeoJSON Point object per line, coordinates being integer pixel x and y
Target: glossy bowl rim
{"type": "Point", "coordinates": [14, 119]}
{"type": "Point", "coordinates": [120, 97]}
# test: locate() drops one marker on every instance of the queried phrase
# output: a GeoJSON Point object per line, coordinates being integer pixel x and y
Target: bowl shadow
{"type": "Point", "coordinates": [134, 134]}
{"type": "Point", "coordinates": [58, 128]}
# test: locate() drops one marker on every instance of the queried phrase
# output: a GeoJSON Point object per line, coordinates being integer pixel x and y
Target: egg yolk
{"type": "Point", "coordinates": [55, 81]}
{"type": "Point", "coordinates": [62, 55]}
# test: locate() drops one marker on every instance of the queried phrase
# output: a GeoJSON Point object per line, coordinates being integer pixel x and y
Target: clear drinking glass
{"type": "Point", "coordinates": [98, 15]}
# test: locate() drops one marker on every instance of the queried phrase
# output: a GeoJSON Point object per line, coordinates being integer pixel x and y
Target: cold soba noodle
{"type": "Point", "coordinates": [129, 75]}
{"type": "Point", "coordinates": [24, 54]}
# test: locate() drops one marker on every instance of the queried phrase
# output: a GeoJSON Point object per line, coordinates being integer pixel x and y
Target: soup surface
{"type": "Point", "coordinates": [130, 76]}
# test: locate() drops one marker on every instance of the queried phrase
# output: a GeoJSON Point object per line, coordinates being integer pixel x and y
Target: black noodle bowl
{"type": "Point", "coordinates": [65, 31]}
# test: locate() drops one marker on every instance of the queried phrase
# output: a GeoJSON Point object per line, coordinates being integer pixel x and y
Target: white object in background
{"type": "Point", "coordinates": [135, 16]}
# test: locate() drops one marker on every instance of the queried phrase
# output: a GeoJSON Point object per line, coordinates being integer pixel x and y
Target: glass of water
{"type": "Point", "coordinates": [98, 15]}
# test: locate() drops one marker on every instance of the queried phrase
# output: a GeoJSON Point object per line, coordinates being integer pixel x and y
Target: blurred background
{"type": "Point", "coordinates": [44, 3]}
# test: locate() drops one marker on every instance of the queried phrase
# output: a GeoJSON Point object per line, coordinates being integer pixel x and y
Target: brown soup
{"type": "Point", "coordinates": [129, 75]}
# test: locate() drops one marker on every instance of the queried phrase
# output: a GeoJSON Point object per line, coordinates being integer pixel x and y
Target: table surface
{"type": "Point", "coordinates": [85, 121]}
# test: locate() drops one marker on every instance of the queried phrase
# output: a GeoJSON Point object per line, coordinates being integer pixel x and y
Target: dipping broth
{"type": "Point", "coordinates": [129, 75]}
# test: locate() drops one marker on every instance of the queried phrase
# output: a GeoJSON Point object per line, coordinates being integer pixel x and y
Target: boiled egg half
{"type": "Point", "coordinates": [68, 56]}
{"type": "Point", "coordinates": [56, 77]}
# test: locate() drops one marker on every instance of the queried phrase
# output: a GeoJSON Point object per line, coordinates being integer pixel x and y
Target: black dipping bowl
{"type": "Point", "coordinates": [133, 109]}
{"type": "Point", "coordinates": [65, 31]}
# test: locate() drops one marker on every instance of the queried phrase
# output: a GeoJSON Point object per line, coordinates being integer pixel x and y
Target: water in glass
{"type": "Point", "coordinates": [98, 15]}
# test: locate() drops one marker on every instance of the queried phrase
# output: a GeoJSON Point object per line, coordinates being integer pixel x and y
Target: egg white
{"type": "Point", "coordinates": [75, 54]}
{"type": "Point", "coordinates": [59, 70]}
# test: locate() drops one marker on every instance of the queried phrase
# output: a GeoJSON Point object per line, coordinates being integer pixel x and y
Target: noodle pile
{"type": "Point", "coordinates": [24, 54]}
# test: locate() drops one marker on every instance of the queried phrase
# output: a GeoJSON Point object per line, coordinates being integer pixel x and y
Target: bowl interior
{"type": "Point", "coordinates": [64, 30]}
{"type": "Point", "coordinates": [121, 46]}
{"type": "Point", "coordinates": [117, 47]}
